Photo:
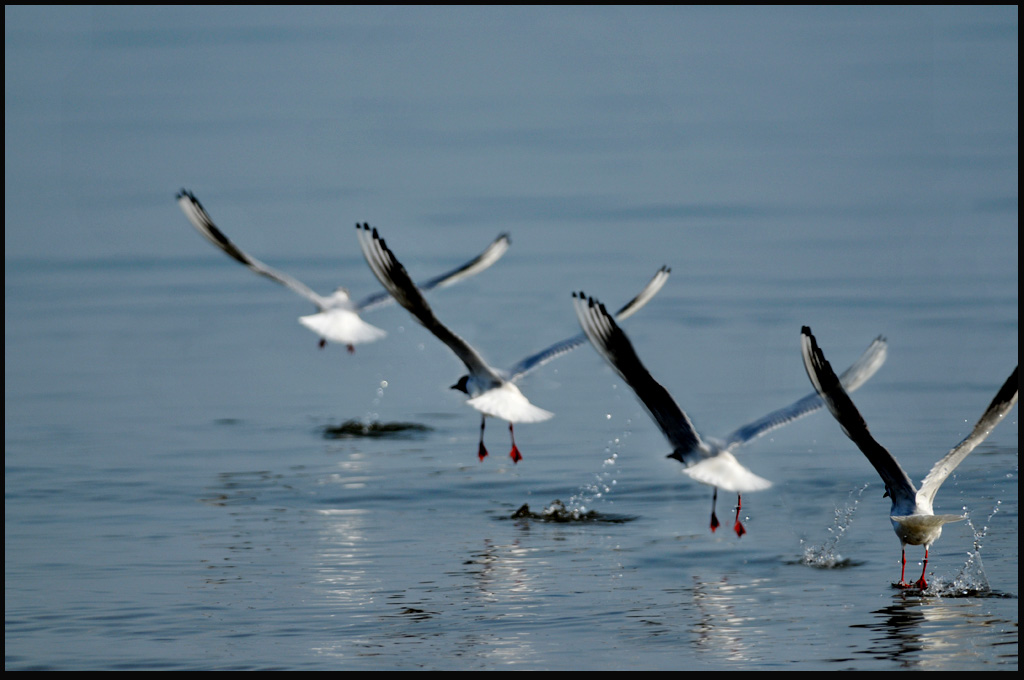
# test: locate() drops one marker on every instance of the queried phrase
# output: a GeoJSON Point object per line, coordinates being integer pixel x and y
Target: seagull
{"type": "Point", "coordinates": [705, 460]}
{"type": "Point", "coordinates": [337, 317]}
{"type": "Point", "coordinates": [911, 515]}
{"type": "Point", "coordinates": [491, 391]}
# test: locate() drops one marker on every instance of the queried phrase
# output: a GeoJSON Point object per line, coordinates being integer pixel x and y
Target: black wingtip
{"type": "Point", "coordinates": [826, 375]}
{"type": "Point", "coordinates": [816, 354]}
{"type": "Point", "coordinates": [1008, 390]}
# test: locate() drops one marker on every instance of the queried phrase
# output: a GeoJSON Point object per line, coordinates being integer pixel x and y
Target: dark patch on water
{"type": "Point", "coordinates": [827, 562]}
{"type": "Point", "coordinates": [355, 428]}
{"type": "Point", "coordinates": [950, 591]}
{"type": "Point", "coordinates": [558, 513]}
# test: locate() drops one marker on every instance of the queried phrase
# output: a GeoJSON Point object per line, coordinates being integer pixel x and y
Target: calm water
{"type": "Point", "coordinates": [171, 499]}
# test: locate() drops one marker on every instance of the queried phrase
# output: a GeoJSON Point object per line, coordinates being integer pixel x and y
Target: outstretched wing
{"type": "Point", "coordinates": [852, 378]}
{"type": "Point", "coordinates": [489, 256]}
{"type": "Point", "coordinates": [201, 220]}
{"type": "Point", "coordinates": [827, 384]}
{"type": "Point", "coordinates": [996, 411]}
{"type": "Point", "coordinates": [392, 275]}
{"type": "Point", "coordinates": [537, 360]}
{"type": "Point", "coordinates": [613, 345]}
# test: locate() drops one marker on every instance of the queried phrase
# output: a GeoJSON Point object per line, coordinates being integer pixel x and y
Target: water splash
{"type": "Point", "coordinates": [372, 427]}
{"type": "Point", "coordinates": [555, 512]}
{"type": "Point", "coordinates": [826, 556]}
{"type": "Point", "coordinates": [604, 481]}
{"type": "Point", "coordinates": [971, 580]}
{"type": "Point", "coordinates": [375, 403]}
{"type": "Point", "coordinates": [578, 507]}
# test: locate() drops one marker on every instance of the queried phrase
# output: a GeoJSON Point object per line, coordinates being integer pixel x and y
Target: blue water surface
{"type": "Point", "coordinates": [172, 499]}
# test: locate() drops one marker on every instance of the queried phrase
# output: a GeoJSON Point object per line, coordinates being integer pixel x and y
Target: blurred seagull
{"type": "Point", "coordinates": [491, 391]}
{"type": "Point", "coordinates": [911, 515]}
{"type": "Point", "coordinates": [337, 317]}
{"type": "Point", "coordinates": [706, 460]}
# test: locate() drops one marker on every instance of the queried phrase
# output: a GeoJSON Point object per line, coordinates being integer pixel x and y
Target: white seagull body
{"type": "Point", "coordinates": [912, 516]}
{"type": "Point", "coordinates": [705, 460]}
{"type": "Point", "coordinates": [337, 318]}
{"type": "Point", "coordinates": [491, 391]}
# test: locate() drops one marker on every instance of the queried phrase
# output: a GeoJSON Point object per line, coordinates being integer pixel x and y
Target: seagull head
{"type": "Point", "coordinates": [339, 299]}
{"type": "Point", "coordinates": [462, 385]}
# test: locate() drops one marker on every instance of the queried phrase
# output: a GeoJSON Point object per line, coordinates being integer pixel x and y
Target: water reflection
{"type": "Point", "coordinates": [416, 603]}
{"type": "Point", "coordinates": [344, 567]}
{"type": "Point", "coordinates": [501, 586]}
{"type": "Point", "coordinates": [929, 633]}
{"type": "Point", "coordinates": [723, 626]}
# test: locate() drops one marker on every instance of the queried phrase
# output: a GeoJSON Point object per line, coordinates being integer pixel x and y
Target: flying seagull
{"type": "Point", "coordinates": [337, 318]}
{"type": "Point", "coordinates": [911, 515]}
{"type": "Point", "coordinates": [705, 460]}
{"type": "Point", "coordinates": [491, 391]}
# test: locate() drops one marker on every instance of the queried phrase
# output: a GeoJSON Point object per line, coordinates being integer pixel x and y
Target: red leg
{"type": "Point", "coordinates": [903, 568]}
{"type": "Point", "coordinates": [323, 343]}
{"type": "Point", "coordinates": [482, 451]}
{"type": "Point", "coordinates": [714, 518]}
{"type": "Point", "coordinates": [922, 584]}
{"type": "Point", "coordinates": [738, 527]}
{"type": "Point", "coordinates": [351, 349]}
{"type": "Point", "coordinates": [514, 453]}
